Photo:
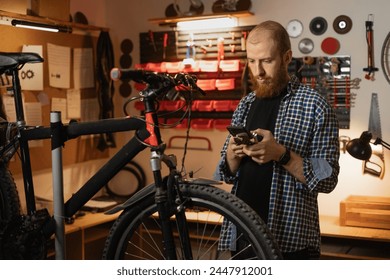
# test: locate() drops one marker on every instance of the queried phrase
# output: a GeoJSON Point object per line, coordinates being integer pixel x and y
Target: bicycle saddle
{"type": "Point", "coordinates": [6, 62]}
{"type": "Point", "coordinates": [11, 60]}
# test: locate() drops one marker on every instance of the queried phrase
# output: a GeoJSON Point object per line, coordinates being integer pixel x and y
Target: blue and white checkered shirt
{"type": "Point", "coordinates": [307, 125]}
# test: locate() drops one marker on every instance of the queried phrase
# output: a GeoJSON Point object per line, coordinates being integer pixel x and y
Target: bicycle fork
{"type": "Point", "coordinates": [161, 198]}
{"type": "Point", "coordinates": [164, 208]}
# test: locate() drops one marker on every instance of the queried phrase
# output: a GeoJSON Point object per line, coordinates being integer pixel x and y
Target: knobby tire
{"type": "Point", "coordinates": [9, 206]}
{"type": "Point", "coordinates": [136, 233]}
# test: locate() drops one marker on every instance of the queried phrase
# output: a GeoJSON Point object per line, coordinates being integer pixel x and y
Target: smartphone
{"type": "Point", "coordinates": [242, 136]}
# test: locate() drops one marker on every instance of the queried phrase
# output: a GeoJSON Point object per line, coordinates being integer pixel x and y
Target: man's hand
{"type": "Point", "coordinates": [234, 154]}
{"type": "Point", "coordinates": [266, 150]}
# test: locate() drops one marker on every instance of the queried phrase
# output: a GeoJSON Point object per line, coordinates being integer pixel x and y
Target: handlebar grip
{"type": "Point", "coordinates": [117, 74]}
{"type": "Point", "coordinates": [143, 76]}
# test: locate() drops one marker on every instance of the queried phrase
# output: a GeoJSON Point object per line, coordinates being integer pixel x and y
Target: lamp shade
{"type": "Point", "coordinates": [360, 147]}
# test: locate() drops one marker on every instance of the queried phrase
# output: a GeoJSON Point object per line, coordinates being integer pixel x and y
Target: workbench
{"type": "Point", "coordinates": [350, 242]}
{"type": "Point", "coordinates": [86, 236]}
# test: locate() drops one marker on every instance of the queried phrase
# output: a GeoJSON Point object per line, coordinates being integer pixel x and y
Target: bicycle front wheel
{"type": "Point", "coordinates": [137, 232]}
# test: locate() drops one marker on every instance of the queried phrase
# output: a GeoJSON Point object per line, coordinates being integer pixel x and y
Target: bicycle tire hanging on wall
{"type": "Point", "coordinates": [385, 57]}
{"type": "Point", "coordinates": [128, 181]}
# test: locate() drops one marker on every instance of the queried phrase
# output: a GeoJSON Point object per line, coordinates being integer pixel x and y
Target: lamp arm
{"type": "Point", "coordinates": [383, 143]}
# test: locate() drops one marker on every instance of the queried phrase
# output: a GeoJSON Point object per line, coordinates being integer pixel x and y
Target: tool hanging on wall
{"type": "Point", "coordinates": [376, 164]}
{"type": "Point", "coordinates": [152, 42]}
{"type": "Point", "coordinates": [220, 47]}
{"type": "Point", "coordinates": [165, 44]}
{"type": "Point", "coordinates": [306, 61]}
{"type": "Point", "coordinates": [243, 40]}
{"type": "Point", "coordinates": [232, 46]}
{"type": "Point", "coordinates": [330, 45]}
{"type": "Point", "coordinates": [340, 83]}
{"type": "Point", "coordinates": [318, 25]}
{"type": "Point", "coordinates": [342, 24]}
{"type": "Point", "coordinates": [370, 69]}
{"type": "Point", "coordinates": [191, 50]}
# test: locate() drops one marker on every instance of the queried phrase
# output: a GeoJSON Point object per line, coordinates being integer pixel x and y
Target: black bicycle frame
{"type": "Point", "coordinates": [107, 171]}
{"type": "Point", "coordinates": [147, 132]}
{"type": "Point", "coordinates": [113, 165]}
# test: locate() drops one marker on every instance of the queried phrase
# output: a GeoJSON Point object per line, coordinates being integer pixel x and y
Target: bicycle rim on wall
{"type": "Point", "coordinates": [128, 181]}
{"type": "Point", "coordinates": [385, 57]}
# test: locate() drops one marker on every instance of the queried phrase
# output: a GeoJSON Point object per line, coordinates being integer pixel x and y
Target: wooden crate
{"type": "Point", "coordinates": [365, 211]}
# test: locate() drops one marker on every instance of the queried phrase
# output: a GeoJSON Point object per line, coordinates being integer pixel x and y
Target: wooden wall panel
{"type": "Point", "coordinates": [77, 150]}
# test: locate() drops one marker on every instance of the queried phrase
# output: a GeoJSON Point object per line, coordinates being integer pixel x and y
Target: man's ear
{"type": "Point", "coordinates": [287, 57]}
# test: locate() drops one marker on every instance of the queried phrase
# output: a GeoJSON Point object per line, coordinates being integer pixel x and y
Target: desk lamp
{"type": "Point", "coordinates": [360, 147]}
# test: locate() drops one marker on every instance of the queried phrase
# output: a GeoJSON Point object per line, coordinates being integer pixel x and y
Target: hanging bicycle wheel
{"type": "Point", "coordinates": [385, 57]}
{"type": "Point", "coordinates": [136, 234]}
{"type": "Point", "coordinates": [128, 181]}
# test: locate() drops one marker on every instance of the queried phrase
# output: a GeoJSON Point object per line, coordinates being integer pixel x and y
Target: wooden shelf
{"type": "Point", "coordinates": [174, 20]}
{"type": "Point", "coordinates": [8, 16]}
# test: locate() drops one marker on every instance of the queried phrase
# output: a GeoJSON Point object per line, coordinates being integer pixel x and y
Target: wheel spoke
{"type": "Point", "coordinates": [140, 232]}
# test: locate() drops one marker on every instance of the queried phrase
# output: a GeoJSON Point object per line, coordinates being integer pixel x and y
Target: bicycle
{"type": "Point", "coordinates": [173, 218]}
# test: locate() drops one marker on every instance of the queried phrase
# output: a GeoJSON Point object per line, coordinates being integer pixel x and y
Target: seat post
{"type": "Point", "coordinates": [23, 143]}
{"type": "Point", "coordinates": [18, 97]}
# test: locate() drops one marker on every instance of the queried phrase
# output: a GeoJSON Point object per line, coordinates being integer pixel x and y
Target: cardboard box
{"type": "Point", "coordinates": [55, 9]}
{"type": "Point", "coordinates": [14, 6]}
{"type": "Point", "coordinates": [365, 211]}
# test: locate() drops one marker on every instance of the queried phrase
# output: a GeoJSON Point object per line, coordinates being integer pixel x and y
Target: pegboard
{"type": "Point", "coordinates": [217, 47]}
{"type": "Point", "coordinates": [206, 44]}
{"type": "Point", "coordinates": [330, 75]}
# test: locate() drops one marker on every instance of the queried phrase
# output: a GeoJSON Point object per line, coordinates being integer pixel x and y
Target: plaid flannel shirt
{"type": "Point", "coordinates": [307, 125]}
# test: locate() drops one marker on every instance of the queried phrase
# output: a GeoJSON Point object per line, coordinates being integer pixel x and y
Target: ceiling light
{"type": "Point", "coordinates": [212, 23]}
{"type": "Point", "coordinates": [41, 26]}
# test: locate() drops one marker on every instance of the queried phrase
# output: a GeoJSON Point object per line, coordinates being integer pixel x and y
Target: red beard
{"type": "Point", "coordinates": [272, 86]}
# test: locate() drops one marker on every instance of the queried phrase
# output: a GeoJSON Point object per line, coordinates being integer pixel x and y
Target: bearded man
{"type": "Point", "coordinates": [280, 176]}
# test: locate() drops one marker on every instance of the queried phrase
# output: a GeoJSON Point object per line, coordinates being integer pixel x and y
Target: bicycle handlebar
{"type": "Point", "coordinates": [156, 80]}
{"type": "Point", "coordinates": [140, 76]}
